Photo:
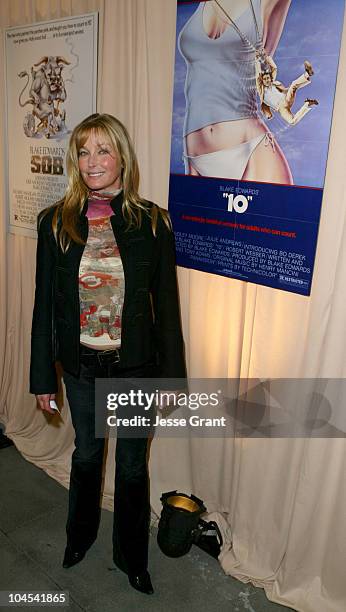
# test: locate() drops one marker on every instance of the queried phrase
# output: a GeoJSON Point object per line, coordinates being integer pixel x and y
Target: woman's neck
{"type": "Point", "coordinates": [103, 194]}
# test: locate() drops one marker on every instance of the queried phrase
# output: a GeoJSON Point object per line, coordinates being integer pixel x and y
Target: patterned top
{"type": "Point", "coordinates": [101, 280]}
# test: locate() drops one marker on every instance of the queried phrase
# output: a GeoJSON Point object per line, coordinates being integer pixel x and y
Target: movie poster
{"type": "Point", "coordinates": [51, 77]}
{"type": "Point", "coordinates": [253, 101]}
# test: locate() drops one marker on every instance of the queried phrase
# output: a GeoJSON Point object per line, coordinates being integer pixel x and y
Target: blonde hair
{"type": "Point", "coordinates": [68, 209]}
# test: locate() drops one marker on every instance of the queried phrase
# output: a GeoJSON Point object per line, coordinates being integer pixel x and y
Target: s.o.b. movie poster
{"type": "Point", "coordinates": [51, 79]}
{"type": "Point", "coordinates": [253, 100]}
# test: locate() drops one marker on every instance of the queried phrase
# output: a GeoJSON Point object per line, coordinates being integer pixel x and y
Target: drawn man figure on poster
{"type": "Point", "coordinates": [274, 96]}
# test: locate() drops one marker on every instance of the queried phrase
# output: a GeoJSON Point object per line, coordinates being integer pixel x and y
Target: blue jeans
{"type": "Point", "coordinates": [131, 494]}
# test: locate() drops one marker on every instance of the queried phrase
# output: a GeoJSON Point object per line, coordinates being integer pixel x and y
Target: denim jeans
{"type": "Point", "coordinates": [131, 492]}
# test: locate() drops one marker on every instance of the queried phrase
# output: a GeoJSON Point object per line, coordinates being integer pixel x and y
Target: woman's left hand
{"type": "Point", "coordinates": [44, 402]}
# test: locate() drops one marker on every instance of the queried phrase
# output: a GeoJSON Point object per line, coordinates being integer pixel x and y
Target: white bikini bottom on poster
{"type": "Point", "coordinates": [227, 163]}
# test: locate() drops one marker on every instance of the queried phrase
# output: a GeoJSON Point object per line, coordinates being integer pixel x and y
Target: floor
{"type": "Point", "coordinates": [32, 541]}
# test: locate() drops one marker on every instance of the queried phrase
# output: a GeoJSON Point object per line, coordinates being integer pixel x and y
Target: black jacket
{"type": "Point", "coordinates": [150, 319]}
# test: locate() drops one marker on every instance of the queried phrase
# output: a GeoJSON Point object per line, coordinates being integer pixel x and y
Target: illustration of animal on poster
{"type": "Point", "coordinates": [51, 72]}
{"type": "Point", "coordinates": [254, 89]}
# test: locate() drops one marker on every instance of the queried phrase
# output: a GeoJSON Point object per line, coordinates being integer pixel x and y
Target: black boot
{"type": "Point", "coordinates": [141, 582]}
{"type": "Point", "coordinates": [72, 557]}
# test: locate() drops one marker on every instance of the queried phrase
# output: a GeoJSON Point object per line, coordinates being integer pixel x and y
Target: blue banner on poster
{"type": "Point", "coordinates": [253, 99]}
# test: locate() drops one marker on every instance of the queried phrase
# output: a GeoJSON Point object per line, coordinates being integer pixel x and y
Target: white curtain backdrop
{"type": "Point", "coordinates": [283, 500]}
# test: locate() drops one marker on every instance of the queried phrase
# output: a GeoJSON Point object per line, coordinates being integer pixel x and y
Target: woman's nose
{"type": "Point", "coordinates": [92, 159]}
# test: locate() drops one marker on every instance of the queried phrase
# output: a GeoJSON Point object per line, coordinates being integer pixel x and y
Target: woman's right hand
{"type": "Point", "coordinates": [43, 402]}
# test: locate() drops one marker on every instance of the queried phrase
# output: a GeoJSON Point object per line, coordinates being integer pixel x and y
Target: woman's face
{"type": "Point", "coordinates": [99, 163]}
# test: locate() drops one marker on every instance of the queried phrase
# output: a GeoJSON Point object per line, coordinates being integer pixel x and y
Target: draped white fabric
{"type": "Point", "coordinates": [283, 500]}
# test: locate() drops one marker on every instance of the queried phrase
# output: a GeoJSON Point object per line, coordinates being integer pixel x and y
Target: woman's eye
{"type": "Point", "coordinates": [103, 151]}
{"type": "Point", "coordinates": [82, 153]}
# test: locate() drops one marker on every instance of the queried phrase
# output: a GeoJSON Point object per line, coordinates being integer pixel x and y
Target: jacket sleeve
{"type": "Point", "coordinates": [167, 323]}
{"type": "Point", "coordinates": [43, 378]}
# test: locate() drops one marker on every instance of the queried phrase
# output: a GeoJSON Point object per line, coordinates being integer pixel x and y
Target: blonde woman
{"type": "Point", "coordinates": [106, 305]}
{"type": "Point", "coordinates": [224, 135]}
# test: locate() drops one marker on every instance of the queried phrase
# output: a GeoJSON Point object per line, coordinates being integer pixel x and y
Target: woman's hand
{"type": "Point", "coordinates": [43, 402]}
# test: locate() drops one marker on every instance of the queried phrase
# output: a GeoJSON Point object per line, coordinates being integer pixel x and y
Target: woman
{"type": "Point", "coordinates": [106, 305]}
{"type": "Point", "coordinates": [223, 134]}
